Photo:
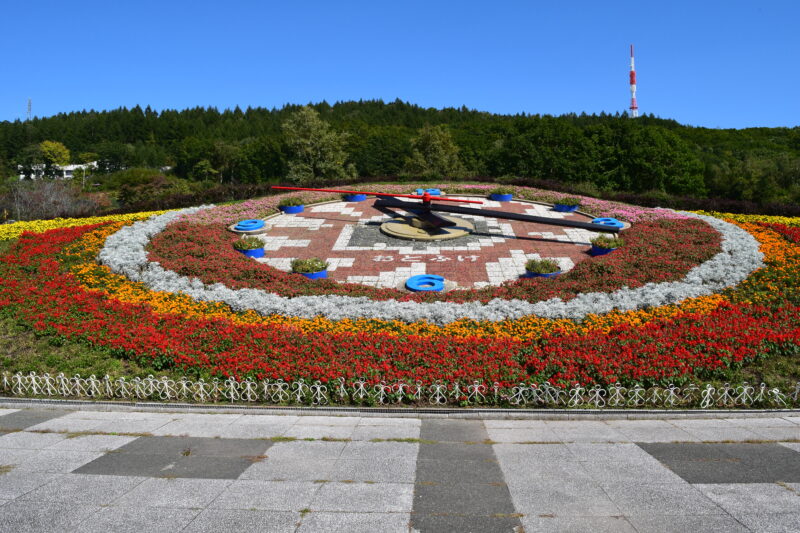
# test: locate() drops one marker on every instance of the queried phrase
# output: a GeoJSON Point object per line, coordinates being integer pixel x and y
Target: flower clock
{"type": "Point", "coordinates": [688, 297]}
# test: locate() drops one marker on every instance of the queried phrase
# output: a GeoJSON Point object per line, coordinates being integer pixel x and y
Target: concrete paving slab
{"type": "Point", "coordinates": [42, 517]}
{"type": "Point", "coordinates": [133, 520]}
{"type": "Point", "coordinates": [57, 461]}
{"type": "Point", "coordinates": [605, 452]}
{"type": "Point", "coordinates": [378, 450]}
{"type": "Point", "coordinates": [595, 524]}
{"type": "Point", "coordinates": [475, 498]}
{"type": "Point", "coordinates": [657, 523]}
{"type": "Point", "coordinates": [26, 418]}
{"type": "Point", "coordinates": [78, 489]}
{"type": "Point", "coordinates": [30, 441]}
{"type": "Point", "coordinates": [118, 415]}
{"type": "Point", "coordinates": [747, 498]}
{"type": "Point", "coordinates": [254, 431]}
{"type": "Point", "coordinates": [299, 431]}
{"type": "Point", "coordinates": [387, 421]}
{"type": "Point", "coordinates": [660, 499]}
{"type": "Point", "coordinates": [573, 471]}
{"type": "Point", "coordinates": [453, 430]}
{"type": "Point", "coordinates": [130, 426]}
{"type": "Point", "coordinates": [291, 469]}
{"type": "Point", "coordinates": [384, 432]}
{"type": "Point", "coordinates": [777, 433]}
{"type": "Point", "coordinates": [530, 454]}
{"type": "Point", "coordinates": [15, 483]}
{"type": "Point", "coordinates": [310, 450]}
{"type": "Point", "coordinates": [4, 411]}
{"type": "Point", "coordinates": [92, 443]}
{"type": "Point", "coordinates": [71, 425]}
{"type": "Point", "coordinates": [560, 498]}
{"type": "Point", "coordinates": [192, 446]}
{"type": "Point", "coordinates": [605, 473]}
{"type": "Point", "coordinates": [651, 431]}
{"type": "Point", "coordinates": [180, 457]}
{"type": "Point", "coordinates": [127, 464]}
{"type": "Point", "coordinates": [266, 420]}
{"type": "Point", "coordinates": [774, 523]}
{"type": "Point", "coordinates": [216, 520]}
{"type": "Point", "coordinates": [465, 524]}
{"type": "Point", "coordinates": [702, 423]}
{"type": "Point", "coordinates": [755, 422]}
{"type": "Point", "coordinates": [207, 467]}
{"type": "Point", "coordinates": [456, 452]}
{"type": "Point", "coordinates": [723, 434]}
{"type": "Point", "coordinates": [514, 424]}
{"type": "Point", "coordinates": [585, 431]}
{"type": "Point", "coordinates": [728, 462]}
{"type": "Point", "coordinates": [355, 522]}
{"type": "Point", "coordinates": [364, 497]}
{"type": "Point", "coordinates": [206, 418]}
{"type": "Point", "coordinates": [183, 428]}
{"type": "Point", "coordinates": [528, 435]}
{"type": "Point", "coordinates": [456, 482]}
{"type": "Point", "coordinates": [443, 472]}
{"type": "Point", "coordinates": [173, 493]}
{"type": "Point", "coordinates": [328, 420]}
{"type": "Point", "coordinates": [386, 470]}
{"type": "Point", "coordinates": [14, 456]}
{"type": "Point", "coordinates": [267, 495]}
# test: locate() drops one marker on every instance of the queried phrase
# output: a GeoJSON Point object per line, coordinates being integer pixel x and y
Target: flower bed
{"type": "Point", "coordinates": [51, 282]}
{"type": "Point", "coordinates": [125, 253]}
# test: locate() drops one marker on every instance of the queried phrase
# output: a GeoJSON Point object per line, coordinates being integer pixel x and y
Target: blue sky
{"type": "Point", "coordinates": [730, 63]}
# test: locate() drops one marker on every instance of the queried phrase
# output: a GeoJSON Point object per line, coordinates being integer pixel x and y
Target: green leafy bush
{"type": "Point", "coordinates": [308, 266]}
{"type": "Point", "coordinates": [291, 201]}
{"type": "Point", "coordinates": [570, 200]}
{"type": "Point", "coordinates": [248, 243]}
{"type": "Point", "coordinates": [608, 242]}
{"type": "Point", "coordinates": [502, 190]}
{"type": "Point", "coordinates": [542, 266]}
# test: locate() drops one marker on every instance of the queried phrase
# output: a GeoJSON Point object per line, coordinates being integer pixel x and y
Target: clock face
{"type": "Point", "coordinates": [348, 235]}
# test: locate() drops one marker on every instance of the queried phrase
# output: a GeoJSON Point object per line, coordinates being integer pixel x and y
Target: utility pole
{"type": "Point", "coordinates": [634, 109]}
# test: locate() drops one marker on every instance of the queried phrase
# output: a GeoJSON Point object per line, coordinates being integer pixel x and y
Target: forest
{"type": "Point", "coordinates": [605, 153]}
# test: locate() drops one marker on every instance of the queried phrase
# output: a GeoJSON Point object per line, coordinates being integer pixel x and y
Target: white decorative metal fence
{"type": "Point", "coordinates": [364, 392]}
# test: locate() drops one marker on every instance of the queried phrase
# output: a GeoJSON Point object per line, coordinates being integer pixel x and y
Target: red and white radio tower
{"type": "Point", "coordinates": [634, 111]}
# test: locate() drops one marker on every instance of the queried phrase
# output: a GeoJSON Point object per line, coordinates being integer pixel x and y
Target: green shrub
{"type": "Point", "coordinates": [502, 190]}
{"type": "Point", "coordinates": [570, 200]}
{"type": "Point", "coordinates": [291, 201]}
{"type": "Point", "coordinates": [248, 243]}
{"type": "Point", "coordinates": [308, 266]}
{"type": "Point", "coordinates": [608, 242]}
{"type": "Point", "coordinates": [542, 266]}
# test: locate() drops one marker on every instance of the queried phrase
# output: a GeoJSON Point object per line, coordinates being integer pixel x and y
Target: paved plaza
{"type": "Point", "coordinates": [128, 470]}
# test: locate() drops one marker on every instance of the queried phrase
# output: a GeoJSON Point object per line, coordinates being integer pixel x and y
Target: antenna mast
{"type": "Point", "coordinates": [634, 109]}
{"type": "Point", "coordinates": [29, 109]}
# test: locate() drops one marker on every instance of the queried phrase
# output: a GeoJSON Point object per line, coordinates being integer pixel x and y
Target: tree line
{"type": "Point", "coordinates": [323, 142]}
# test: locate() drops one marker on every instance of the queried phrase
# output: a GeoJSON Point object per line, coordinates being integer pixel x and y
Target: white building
{"type": "Point", "coordinates": [65, 172]}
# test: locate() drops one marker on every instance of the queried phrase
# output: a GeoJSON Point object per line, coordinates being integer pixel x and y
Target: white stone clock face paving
{"type": "Point", "coordinates": [347, 235]}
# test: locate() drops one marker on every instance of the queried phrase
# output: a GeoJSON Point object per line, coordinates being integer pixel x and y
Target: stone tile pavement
{"type": "Point", "coordinates": [123, 470]}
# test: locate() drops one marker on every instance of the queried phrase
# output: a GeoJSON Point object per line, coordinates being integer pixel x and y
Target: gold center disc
{"type": "Point", "coordinates": [414, 229]}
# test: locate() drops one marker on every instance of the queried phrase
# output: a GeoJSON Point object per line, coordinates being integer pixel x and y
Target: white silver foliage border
{"type": "Point", "coordinates": [124, 252]}
{"type": "Point", "coordinates": [359, 391]}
